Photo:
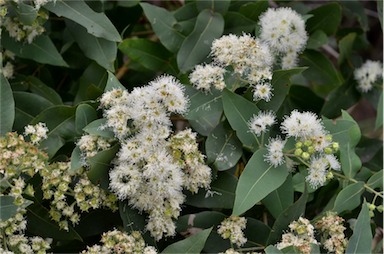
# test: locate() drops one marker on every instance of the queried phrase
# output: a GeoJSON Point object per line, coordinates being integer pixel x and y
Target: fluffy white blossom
{"type": "Point", "coordinates": [317, 172]}
{"type": "Point", "coordinates": [36, 132]}
{"type": "Point", "coordinates": [369, 73]}
{"type": "Point", "coordinates": [260, 122]}
{"type": "Point", "coordinates": [302, 125]}
{"type": "Point", "coordinates": [262, 92]}
{"type": "Point", "coordinates": [7, 70]}
{"type": "Point", "coordinates": [275, 155]}
{"type": "Point", "coordinates": [205, 76]}
{"type": "Point", "coordinates": [232, 228]}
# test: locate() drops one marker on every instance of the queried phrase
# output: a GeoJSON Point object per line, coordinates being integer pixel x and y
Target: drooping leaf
{"type": "Point", "coordinates": [379, 116]}
{"type": "Point", "coordinates": [205, 110]}
{"type": "Point", "coordinates": [376, 181]}
{"type": "Point", "coordinates": [8, 209]}
{"type": "Point", "coordinates": [223, 148]}
{"type": "Point", "coordinates": [85, 114]}
{"type": "Point", "coordinates": [361, 239]}
{"type": "Point", "coordinates": [256, 181]}
{"type": "Point", "coordinates": [192, 244]}
{"type": "Point", "coordinates": [98, 49]}
{"type": "Point", "coordinates": [96, 127]}
{"type": "Point", "coordinates": [38, 87]}
{"type": "Point", "coordinates": [96, 23]}
{"type": "Point", "coordinates": [164, 25]}
{"type": "Point", "coordinates": [197, 45]}
{"type": "Point", "coordinates": [349, 197]}
{"type": "Point", "coordinates": [327, 18]}
{"type": "Point", "coordinates": [41, 50]}
{"type": "Point", "coordinates": [239, 111]}
{"type": "Point", "coordinates": [345, 47]}
{"type": "Point", "coordinates": [7, 106]}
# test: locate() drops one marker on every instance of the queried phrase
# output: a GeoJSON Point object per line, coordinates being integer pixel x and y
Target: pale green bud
{"type": "Point", "coordinates": [298, 152]}
{"type": "Point", "coordinates": [305, 155]}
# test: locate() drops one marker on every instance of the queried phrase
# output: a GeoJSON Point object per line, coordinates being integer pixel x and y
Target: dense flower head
{"type": "Point", "coordinates": [205, 76]}
{"type": "Point", "coordinates": [90, 145]}
{"type": "Point", "coordinates": [259, 123]}
{"type": "Point", "coordinates": [302, 125]}
{"type": "Point", "coordinates": [275, 154]}
{"type": "Point", "coordinates": [368, 74]}
{"type": "Point", "coordinates": [232, 228]}
{"type": "Point", "coordinates": [36, 132]}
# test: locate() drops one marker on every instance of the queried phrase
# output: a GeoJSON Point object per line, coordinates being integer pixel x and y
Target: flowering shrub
{"type": "Point", "coordinates": [191, 127]}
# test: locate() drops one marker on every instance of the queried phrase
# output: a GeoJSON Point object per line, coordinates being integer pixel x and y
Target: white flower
{"type": "Point", "coordinates": [317, 172]}
{"type": "Point", "coordinates": [232, 228]}
{"type": "Point", "coordinates": [333, 161]}
{"type": "Point", "coordinates": [205, 76]}
{"type": "Point", "coordinates": [275, 155]}
{"type": "Point", "coordinates": [369, 73]}
{"type": "Point", "coordinates": [261, 121]}
{"type": "Point", "coordinates": [37, 132]}
{"type": "Point", "coordinates": [7, 70]}
{"type": "Point", "coordinates": [262, 92]}
{"type": "Point", "coordinates": [302, 125]}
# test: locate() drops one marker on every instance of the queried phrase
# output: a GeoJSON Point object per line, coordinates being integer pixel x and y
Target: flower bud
{"type": "Point", "coordinates": [305, 155]}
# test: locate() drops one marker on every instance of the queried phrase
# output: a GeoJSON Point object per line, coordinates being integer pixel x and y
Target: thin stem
{"type": "Point", "coordinates": [368, 188]}
{"type": "Point", "coordinates": [251, 248]}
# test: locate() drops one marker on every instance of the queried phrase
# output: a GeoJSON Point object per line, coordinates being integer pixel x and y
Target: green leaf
{"type": "Point", "coordinates": [380, 12]}
{"type": "Point", "coordinates": [41, 50]}
{"type": "Point", "coordinates": [214, 5]}
{"type": "Point", "coordinates": [345, 47]}
{"type": "Point", "coordinates": [38, 87]}
{"type": "Point", "coordinates": [317, 39]}
{"type": "Point", "coordinates": [40, 224]}
{"type": "Point", "coordinates": [192, 244]}
{"type": "Point", "coordinates": [149, 54]}
{"type": "Point", "coordinates": [99, 166]}
{"type": "Point", "coordinates": [361, 239]}
{"type": "Point", "coordinates": [164, 25]}
{"type": "Point", "coordinates": [349, 197]}
{"type": "Point", "coordinates": [7, 106]}
{"type": "Point", "coordinates": [235, 22]}
{"type": "Point", "coordinates": [327, 18]}
{"type": "Point", "coordinates": [253, 10]}
{"type": "Point", "coordinates": [76, 160]}
{"type": "Point", "coordinates": [8, 209]}
{"type": "Point", "coordinates": [280, 83]}
{"type": "Point", "coordinates": [271, 249]}
{"type": "Point", "coordinates": [96, 24]}
{"type": "Point", "coordinates": [113, 83]}
{"type": "Point", "coordinates": [303, 98]}
{"type": "Point", "coordinates": [256, 233]}
{"type": "Point", "coordinates": [376, 181]}
{"type": "Point", "coordinates": [357, 9]}
{"type": "Point", "coordinates": [239, 111]}
{"type": "Point", "coordinates": [256, 181]}
{"type": "Point", "coordinates": [221, 195]}
{"type": "Point", "coordinates": [223, 148]}
{"type": "Point", "coordinates": [197, 45]}
{"type": "Point", "coordinates": [205, 110]}
{"type": "Point", "coordinates": [280, 199]}
{"type": "Point", "coordinates": [97, 128]}
{"type": "Point", "coordinates": [379, 115]}
{"type": "Point", "coordinates": [290, 214]}
{"type": "Point", "coordinates": [100, 50]}
{"type": "Point", "coordinates": [198, 221]}
{"type": "Point", "coordinates": [85, 114]}
{"type": "Point", "coordinates": [26, 13]}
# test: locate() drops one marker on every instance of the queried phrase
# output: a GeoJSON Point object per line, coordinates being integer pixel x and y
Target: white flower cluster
{"type": "Point", "coordinates": [91, 144]}
{"type": "Point", "coordinates": [26, 245]}
{"type": "Point", "coordinates": [119, 242]}
{"type": "Point", "coordinates": [7, 68]}
{"type": "Point", "coordinates": [301, 236]}
{"type": "Point", "coordinates": [332, 229]}
{"type": "Point", "coordinates": [36, 132]}
{"type": "Point", "coordinates": [260, 122]}
{"type": "Point", "coordinates": [205, 76]}
{"type": "Point", "coordinates": [152, 164]}
{"type": "Point", "coordinates": [313, 147]}
{"type": "Point", "coordinates": [368, 74]}
{"type": "Point", "coordinates": [232, 228]}
{"type": "Point", "coordinates": [283, 30]}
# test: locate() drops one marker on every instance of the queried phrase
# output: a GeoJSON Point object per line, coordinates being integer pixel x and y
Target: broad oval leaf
{"type": "Point", "coordinates": [76, 160]}
{"type": "Point", "coordinates": [7, 106]}
{"type": "Point", "coordinates": [326, 18]}
{"type": "Point", "coordinates": [256, 181]}
{"type": "Point", "coordinates": [26, 13]}
{"type": "Point", "coordinates": [112, 83]}
{"type": "Point", "coordinates": [376, 181]}
{"type": "Point", "coordinates": [223, 148]}
{"type": "Point", "coordinates": [190, 223]}
{"type": "Point", "coordinates": [271, 249]}
{"type": "Point", "coordinates": [192, 244]}
{"type": "Point", "coordinates": [96, 24]}
{"type": "Point", "coordinates": [349, 197]}
{"type": "Point", "coordinates": [98, 128]}
{"type": "Point", "coordinates": [345, 47]}
{"type": "Point", "coordinates": [257, 233]}
{"type": "Point", "coordinates": [38, 87]}
{"type": "Point", "coordinates": [361, 239]}
{"type": "Point", "coordinates": [239, 111]}
{"type": "Point", "coordinates": [85, 114]}
{"type": "Point", "coordinates": [197, 45]}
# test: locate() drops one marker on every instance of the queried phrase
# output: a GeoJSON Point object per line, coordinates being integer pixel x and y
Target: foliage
{"type": "Point", "coordinates": [267, 116]}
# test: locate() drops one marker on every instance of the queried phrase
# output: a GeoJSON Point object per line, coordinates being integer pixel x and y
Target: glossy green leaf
{"type": "Point", "coordinates": [379, 116]}
{"type": "Point", "coordinates": [96, 23]}
{"type": "Point", "coordinates": [41, 50]}
{"type": "Point", "coordinates": [290, 214]}
{"type": "Point", "coordinates": [361, 239]}
{"type": "Point", "coordinates": [197, 45]}
{"type": "Point", "coordinates": [257, 181]}
{"type": "Point", "coordinates": [85, 114]}
{"type": "Point", "coordinates": [317, 39]}
{"type": "Point", "coordinates": [280, 199]}
{"type": "Point", "coordinates": [40, 223]}
{"type": "Point", "coordinates": [376, 181]}
{"type": "Point", "coordinates": [192, 244]}
{"type": "Point", "coordinates": [26, 13]}
{"type": "Point", "coordinates": [38, 87]}
{"type": "Point", "coordinates": [149, 54]}
{"type": "Point", "coordinates": [205, 110]}
{"type": "Point", "coordinates": [213, 5]}
{"type": "Point", "coordinates": [97, 128]}
{"type": "Point", "coordinates": [252, 10]}
{"type": "Point", "coordinates": [349, 197]}
{"type": "Point", "coordinates": [7, 106]}
{"type": "Point", "coordinates": [239, 111]}
{"type": "Point", "coordinates": [327, 18]}
{"type": "Point", "coordinates": [98, 49]}
{"type": "Point", "coordinates": [223, 148]}
{"type": "Point", "coordinates": [164, 25]}
{"type": "Point", "coordinates": [236, 23]}
{"type": "Point", "coordinates": [8, 209]}
{"type": "Point", "coordinates": [345, 47]}
{"type": "Point", "coordinates": [280, 83]}
{"type": "Point", "coordinates": [221, 194]}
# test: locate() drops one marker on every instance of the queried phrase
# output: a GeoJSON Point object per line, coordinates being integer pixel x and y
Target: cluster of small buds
{"type": "Point", "coordinates": [205, 76]}
{"type": "Point", "coordinates": [14, 225]}
{"type": "Point", "coordinates": [27, 245]}
{"type": "Point", "coordinates": [259, 123]}
{"type": "Point", "coordinates": [119, 242]}
{"type": "Point", "coordinates": [301, 236]}
{"type": "Point", "coordinates": [232, 228]}
{"type": "Point", "coordinates": [153, 164]}
{"type": "Point", "coordinates": [90, 145]}
{"type": "Point", "coordinates": [36, 132]}
{"type": "Point", "coordinates": [233, 251]}
{"type": "Point", "coordinates": [373, 207]}
{"type": "Point", "coordinates": [57, 185]}
{"type": "Point", "coordinates": [314, 147]}
{"type": "Point", "coordinates": [368, 74]}
{"type": "Point", "coordinates": [332, 229]}
{"type": "Point", "coordinates": [283, 30]}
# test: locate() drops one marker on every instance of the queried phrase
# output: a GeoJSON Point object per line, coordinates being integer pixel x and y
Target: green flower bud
{"type": "Point", "coordinates": [298, 144]}
{"type": "Point", "coordinates": [371, 207]}
{"type": "Point", "coordinates": [298, 152]}
{"type": "Point", "coordinates": [379, 208]}
{"type": "Point", "coordinates": [371, 214]}
{"type": "Point", "coordinates": [329, 175]}
{"type": "Point", "coordinates": [328, 150]}
{"type": "Point", "coordinates": [335, 146]}
{"type": "Point", "coordinates": [307, 142]}
{"type": "Point", "coordinates": [311, 149]}
{"type": "Point", "coordinates": [305, 155]}
{"type": "Point", "coordinates": [328, 138]}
